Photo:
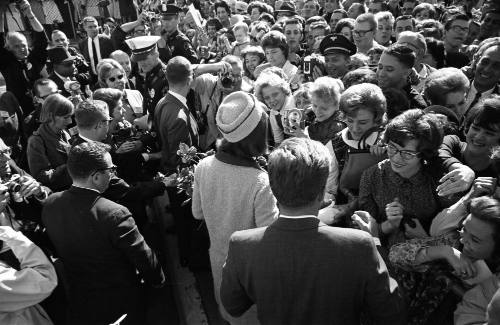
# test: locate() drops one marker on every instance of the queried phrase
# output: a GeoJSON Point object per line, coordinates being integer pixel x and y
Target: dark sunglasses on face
{"type": "Point", "coordinates": [119, 77]}
{"type": "Point", "coordinates": [112, 169]}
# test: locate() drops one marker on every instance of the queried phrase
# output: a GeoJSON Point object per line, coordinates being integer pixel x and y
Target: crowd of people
{"type": "Point", "coordinates": [354, 175]}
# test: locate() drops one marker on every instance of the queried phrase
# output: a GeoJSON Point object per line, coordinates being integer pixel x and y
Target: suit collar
{"type": "Point", "coordinates": [297, 224]}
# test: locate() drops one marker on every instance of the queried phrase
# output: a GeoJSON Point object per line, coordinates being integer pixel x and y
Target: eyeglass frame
{"type": "Point", "coordinates": [361, 33]}
{"type": "Point", "coordinates": [119, 77]}
{"type": "Point", "coordinates": [112, 169]}
{"type": "Point", "coordinates": [402, 152]}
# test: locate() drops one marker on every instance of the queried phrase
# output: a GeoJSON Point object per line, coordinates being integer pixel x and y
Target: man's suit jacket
{"type": "Point", "coordinates": [105, 44]}
{"type": "Point", "coordinates": [301, 271]}
{"type": "Point", "coordinates": [100, 247]}
{"type": "Point", "coordinates": [174, 125]}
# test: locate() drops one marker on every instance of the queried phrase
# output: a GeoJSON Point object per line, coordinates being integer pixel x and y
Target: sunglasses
{"type": "Point", "coordinates": [112, 169]}
{"type": "Point", "coordinates": [119, 77]}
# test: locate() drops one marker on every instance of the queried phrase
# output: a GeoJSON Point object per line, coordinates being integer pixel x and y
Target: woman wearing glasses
{"type": "Point", "coordinates": [48, 146]}
{"type": "Point", "coordinates": [112, 75]}
{"type": "Point", "coordinates": [400, 192]}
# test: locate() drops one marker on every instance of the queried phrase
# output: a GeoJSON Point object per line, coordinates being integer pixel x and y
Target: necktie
{"type": "Point", "coordinates": [278, 120]}
{"type": "Point", "coordinates": [94, 54]}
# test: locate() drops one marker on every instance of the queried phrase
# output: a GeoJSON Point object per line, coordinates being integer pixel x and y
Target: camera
{"type": "Point", "coordinates": [13, 187]}
{"type": "Point", "coordinates": [226, 80]}
{"type": "Point", "coordinates": [312, 61]}
{"type": "Point", "coordinates": [292, 118]}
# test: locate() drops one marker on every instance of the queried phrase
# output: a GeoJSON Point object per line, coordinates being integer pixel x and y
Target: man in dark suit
{"type": "Point", "coordinates": [96, 46]}
{"type": "Point", "coordinates": [175, 124]}
{"type": "Point", "coordinates": [298, 270]}
{"type": "Point", "coordinates": [64, 71]}
{"type": "Point", "coordinates": [99, 244]}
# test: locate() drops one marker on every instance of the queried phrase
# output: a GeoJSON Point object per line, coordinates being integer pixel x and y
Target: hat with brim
{"type": "Point", "coordinates": [337, 43]}
{"type": "Point", "coordinates": [59, 54]}
{"type": "Point", "coordinates": [287, 7]}
{"type": "Point", "coordinates": [142, 46]}
{"type": "Point", "coordinates": [172, 10]}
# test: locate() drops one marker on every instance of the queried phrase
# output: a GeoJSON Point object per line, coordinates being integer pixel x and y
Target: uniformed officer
{"type": "Point", "coordinates": [151, 81]}
{"type": "Point", "coordinates": [337, 50]}
{"type": "Point", "coordinates": [173, 42]}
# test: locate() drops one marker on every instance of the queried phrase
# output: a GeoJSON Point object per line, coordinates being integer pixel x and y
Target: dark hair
{"type": "Point", "coordinates": [487, 209]}
{"type": "Point", "coordinates": [364, 96]}
{"type": "Point", "coordinates": [424, 6]}
{"type": "Point", "coordinates": [293, 21]}
{"type": "Point", "coordinates": [402, 53]}
{"type": "Point", "coordinates": [452, 18]}
{"type": "Point", "coordinates": [359, 76]}
{"type": "Point", "coordinates": [256, 4]}
{"type": "Point", "coordinates": [90, 112]}
{"type": "Point", "coordinates": [214, 22]}
{"type": "Point", "coordinates": [267, 17]}
{"type": "Point", "coordinates": [55, 105]}
{"type": "Point", "coordinates": [436, 49]}
{"type": "Point", "coordinates": [222, 4]}
{"type": "Point", "coordinates": [344, 22]}
{"type": "Point", "coordinates": [405, 17]}
{"type": "Point", "coordinates": [275, 39]}
{"type": "Point", "coordinates": [486, 114]}
{"type": "Point", "coordinates": [414, 124]}
{"type": "Point", "coordinates": [178, 70]}
{"type": "Point", "coordinates": [397, 102]}
{"type": "Point", "coordinates": [86, 158]}
{"type": "Point", "coordinates": [342, 11]}
{"type": "Point", "coordinates": [108, 95]}
{"type": "Point", "coordinates": [298, 170]}
{"type": "Point", "coordinates": [431, 28]}
{"type": "Point", "coordinates": [253, 145]}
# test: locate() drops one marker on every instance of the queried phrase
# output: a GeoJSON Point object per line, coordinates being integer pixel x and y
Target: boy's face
{"type": "Point", "coordinates": [240, 35]}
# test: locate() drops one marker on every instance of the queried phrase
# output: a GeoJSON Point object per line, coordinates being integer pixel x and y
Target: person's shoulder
{"type": "Point", "coordinates": [53, 198]}
{"type": "Point", "coordinates": [248, 236]}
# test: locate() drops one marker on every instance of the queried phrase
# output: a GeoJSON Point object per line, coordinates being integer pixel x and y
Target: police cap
{"type": "Point", "coordinates": [337, 43]}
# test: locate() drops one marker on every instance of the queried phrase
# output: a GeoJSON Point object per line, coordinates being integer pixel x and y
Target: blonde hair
{"type": "Point", "coordinates": [55, 105]}
{"type": "Point", "coordinates": [327, 88]}
{"type": "Point", "coordinates": [270, 80]}
{"type": "Point", "coordinates": [104, 68]}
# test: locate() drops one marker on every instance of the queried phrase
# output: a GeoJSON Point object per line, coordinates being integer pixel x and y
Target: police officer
{"type": "Point", "coordinates": [151, 80]}
{"type": "Point", "coordinates": [337, 50]}
{"type": "Point", "coordinates": [173, 42]}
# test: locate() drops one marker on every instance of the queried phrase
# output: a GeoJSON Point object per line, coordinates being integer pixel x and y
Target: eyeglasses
{"type": "Point", "coordinates": [112, 169]}
{"type": "Point", "coordinates": [6, 151]}
{"type": "Point", "coordinates": [362, 33]}
{"type": "Point", "coordinates": [458, 29]}
{"type": "Point", "coordinates": [119, 77]}
{"type": "Point", "coordinates": [405, 154]}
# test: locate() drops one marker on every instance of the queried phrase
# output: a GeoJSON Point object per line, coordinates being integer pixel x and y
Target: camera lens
{"type": "Point", "coordinates": [226, 82]}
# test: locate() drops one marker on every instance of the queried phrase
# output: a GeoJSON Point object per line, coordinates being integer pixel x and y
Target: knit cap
{"type": "Point", "coordinates": [238, 115]}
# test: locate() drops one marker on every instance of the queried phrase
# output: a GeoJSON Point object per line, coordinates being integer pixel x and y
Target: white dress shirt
{"type": "Point", "coordinates": [91, 54]}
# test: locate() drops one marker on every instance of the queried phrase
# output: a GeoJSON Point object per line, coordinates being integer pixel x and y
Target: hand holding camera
{"type": "Point", "coordinates": [293, 120]}
{"type": "Point", "coordinates": [22, 187]}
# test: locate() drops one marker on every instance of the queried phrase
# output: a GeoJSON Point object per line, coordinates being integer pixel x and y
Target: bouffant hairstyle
{"type": "Point", "coordinates": [487, 209]}
{"type": "Point", "coordinates": [402, 53]}
{"type": "Point", "coordinates": [442, 82]}
{"type": "Point", "coordinates": [327, 89]}
{"type": "Point", "coordinates": [486, 114]}
{"type": "Point", "coordinates": [275, 39]}
{"type": "Point", "coordinates": [364, 96]}
{"type": "Point", "coordinates": [414, 124]}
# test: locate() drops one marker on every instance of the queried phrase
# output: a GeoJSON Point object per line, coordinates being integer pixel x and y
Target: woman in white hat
{"type": "Point", "coordinates": [231, 192]}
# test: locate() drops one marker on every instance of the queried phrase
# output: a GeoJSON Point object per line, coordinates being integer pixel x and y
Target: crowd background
{"type": "Point", "coordinates": [383, 116]}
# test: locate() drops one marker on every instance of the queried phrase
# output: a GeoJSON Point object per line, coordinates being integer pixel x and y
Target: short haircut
{"type": "Point", "coordinates": [432, 28]}
{"type": "Point", "coordinates": [414, 124]}
{"type": "Point", "coordinates": [344, 22]}
{"type": "Point", "coordinates": [55, 105]}
{"type": "Point", "coordinates": [487, 209]}
{"type": "Point", "coordinates": [298, 170]}
{"type": "Point", "coordinates": [402, 53]}
{"type": "Point", "coordinates": [368, 18]}
{"type": "Point", "coordinates": [256, 4]}
{"type": "Point", "coordinates": [405, 17]}
{"type": "Point", "coordinates": [89, 19]}
{"type": "Point", "coordinates": [328, 89]}
{"type": "Point", "coordinates": [104, 69]}
{"type": "Point", "coordinates": [86, 158]}
{"type": "Point", "coordinates": [13, 35]}
{"type": "Point", "coordinates": [364, 96]}
{"type": "Point", "coordinates": [89, 113]}
{"type": "Point", "coordinates": [482, 48]}
{"type": "Point", "coordinates": [270, 80]}
{"type": "Point", "coordinates": [442, 82]}
{"type": "Point", "coordinates": [342, 11]}
{"type": "Point", "coordinates": [116, 53]}
{"type": "Point", "coordinates": [384, 16]}
{"type": "Point", "coordinates": [418, 38]}
{"type": "Point", "coordinates": [43, 82]}
{"type": "Point", "coordinates": [222, 4]}
{"type": "Point", "coordinates": [293, 21]}
{"type": "Point", "coordinates": [314, 19]}
{"type": "Point", "coordinates": [452, 18]}
{"type": "Point", "coordinates": [275, 39]}
{"type": "Point", "coordinates": [359, 76]}
{"type": "Point", "coordinates": [241, 26]}
{"type": "Point", "coordinates": [178, 70]}
{"type": "Point", "coordinates": [267, 17]}
{"type": "Point", "coordinates": [424, 6]}
{"type": "Point", "coordinates": [108, 95]}
{"type": "Point", "coordinates": [486, 114]}
{"type": "Point", "coordinates": [320, 25]}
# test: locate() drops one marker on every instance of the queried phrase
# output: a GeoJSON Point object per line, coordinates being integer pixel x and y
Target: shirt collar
{"type": "Point", "coordinates": [181, 98]}
{"type": "Point", "coordinates": [61, 77]}
{"type": "Point", "coordinates": [86, 188]}
{"type": "Point", "coordinates": [84, 138]}
{"type": "Point", "coordinates": [298, 217]}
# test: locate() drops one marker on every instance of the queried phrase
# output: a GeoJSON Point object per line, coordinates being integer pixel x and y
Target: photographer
{"type": "Point", "coordinates": [19, 65]}
{"type": "Point", "coordinates": [20, 297]}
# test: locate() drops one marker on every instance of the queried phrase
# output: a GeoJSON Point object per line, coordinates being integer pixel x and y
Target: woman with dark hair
{"type": "Point", "coordinates": [48, 146]}
{"type": "Point", "coordinates": [482, 134]}
{"type": "Point", "coordinates": [276, 51]}
{"type": "Point", "coordinates": [345, 26]}
{"type": "Point", "coordinates": [231, 192]}
{"type": "Point", "coordinates": [394, 71]}
{"type": "Point", "coordinates": [252, 56]}
{"type": "Point", "coordinates": [400, 192]}
{"type": "Point", "coordinates": [434, 56]}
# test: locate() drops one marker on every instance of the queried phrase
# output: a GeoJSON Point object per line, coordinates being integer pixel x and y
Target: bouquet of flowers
{"type": "Point", "coordinates": [185, 172]}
